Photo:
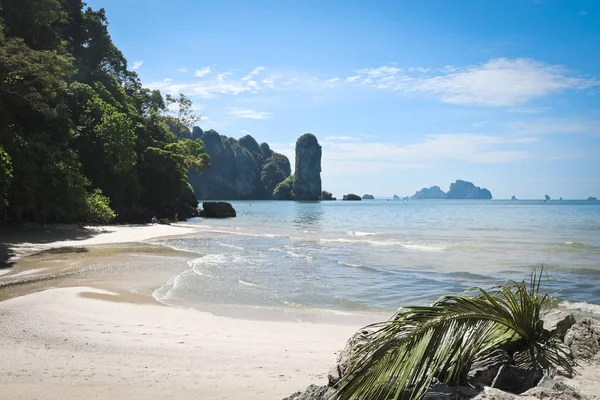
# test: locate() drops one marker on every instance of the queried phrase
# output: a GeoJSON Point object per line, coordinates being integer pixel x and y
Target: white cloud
{"type": "Point", "coordinates": [202, 72]}
{"type": "Point", "coordinates": [136, 65]}
{"type": "Point", "coordinates": [270, 83]}
{"type": "Point", "coordinates": [498, 82]}
{"type": "Point", "coordinates": [236, 112]}
{"type": "Point", "coordinates": [182, 70]}
{"type": "Point", "coordinates": [334, 80]}
{"type": "Point", "coordinates": [245, 132]}
{"type": "Point", "coordinates": [530, 110]}
{"type": "Point", "coordinates": [253, 73]}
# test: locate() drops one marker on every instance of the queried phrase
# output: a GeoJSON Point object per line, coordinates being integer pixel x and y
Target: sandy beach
{"type": "Point", "coordinates": [78, 322]}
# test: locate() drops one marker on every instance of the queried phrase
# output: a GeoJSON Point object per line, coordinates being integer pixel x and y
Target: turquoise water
{"type": "Point", "coordinates": [379, 255]}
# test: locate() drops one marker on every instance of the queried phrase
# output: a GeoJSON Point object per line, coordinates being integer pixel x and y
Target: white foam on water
{"type": "Point", "coordinates": [231, 246]}
{"type": "Point", "coordinates": [255, 285]}
{"type": "Point", "coordinates": [581, 306]}
{"type": "Point", "coordinates": [426, 247]}
{"type": "Point", "coordinates": [296, 255]}
{"type": "Point", "coordinates": [349, 264]}
{"type": "Point", "coordinates": [361, 234]}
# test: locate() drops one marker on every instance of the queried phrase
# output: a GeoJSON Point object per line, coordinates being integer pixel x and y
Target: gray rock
{"type": "Point", "coordinates": [484, 370]}
{"type": "Point", "coordinates": [445, 392]}
{"type": "Point", "coordinates": [515, 380]}
{"type": "Point", "coordinates": [489, 393]}
{"type": "Point", "coordinates": [558, 322]}
{"type": "Point", "coordinates": [220, 209]}
{"type": "Point", "coordinates": [550, 389]}
{"type": "Point", "coordinates": [313, 392]}
{"type": "Point", "coordinates": [351, 196]}
{"type": "Point", "coordinates": [584, 339]}
{"type": "Point", "coordinates": [343, 360]}
{"type": "Point", "coordinates": [307, 181]}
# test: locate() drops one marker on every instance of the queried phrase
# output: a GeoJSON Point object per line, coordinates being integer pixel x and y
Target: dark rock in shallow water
{"type": "Point", "coordinates": [515, 380]}
{"type": "Point", "coordinates": [313, 392]}
{"type": "Point", "coordinates": [396, 197]}
{"type": "Point", "coordinates": [307, 175]}
{"type": "Point", "coordinates": [221, 209]}
{"type": "Point", "coordinates": [484, 370]}
{"type": "Point", "coordinates": [351, 196]}
{"type": "Point", "coordinates": [584, 339]}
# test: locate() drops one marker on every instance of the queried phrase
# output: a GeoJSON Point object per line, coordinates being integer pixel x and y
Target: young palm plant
{"type": "Point", "coordinates": [403, 355]}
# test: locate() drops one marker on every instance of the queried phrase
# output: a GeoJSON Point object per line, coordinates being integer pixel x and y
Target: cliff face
{"type": "Point", "coordinates": [239, 169]}
{"type": "Point", "coordinates": [307, 181]}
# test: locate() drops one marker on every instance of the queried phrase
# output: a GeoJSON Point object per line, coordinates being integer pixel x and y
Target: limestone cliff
{"type": "Point", "coordinates": [239, 169]}
{"type": "Point", "coordinates": [307, 176]}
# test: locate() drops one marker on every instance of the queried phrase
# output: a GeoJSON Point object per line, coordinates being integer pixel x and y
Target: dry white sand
{"type": "Point", "coordinates": [75, 343]}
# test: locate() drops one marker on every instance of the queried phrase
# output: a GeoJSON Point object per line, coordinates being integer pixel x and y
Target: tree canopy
{"type": "Point", "coordinates": [80, 137]}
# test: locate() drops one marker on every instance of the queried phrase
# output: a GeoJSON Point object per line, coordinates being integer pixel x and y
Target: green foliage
{"type": "Point", "coordinates": [442, 341]}
{"type": "Point", "coordinates": [98, 208]}
{"type": "Point", "coordinates": [283, 191]}
{"type": "Point", "coordinates": [185, 118]}
{"type": "Point", "coordinates": [73, 117]}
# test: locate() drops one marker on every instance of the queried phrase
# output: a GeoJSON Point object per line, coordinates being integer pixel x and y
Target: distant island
{"type": "Point", "coordinates": [368, 197]}
{"type": "Point", "coordinates": [351, 196]}
{"type": "Point", "coordinates": [459, 190]}
{"type": "Point", "coordinates": [592, 199]}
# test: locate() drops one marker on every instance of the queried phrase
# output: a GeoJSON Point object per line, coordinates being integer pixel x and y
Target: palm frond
{"type": "Point", "coordinates": [403, 355]}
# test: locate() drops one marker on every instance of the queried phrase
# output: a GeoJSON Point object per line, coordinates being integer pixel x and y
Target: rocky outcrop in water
{"type": "Point", "coordinates": [214, 209]}
{"type": "Point", "coordinates": [458, 190]}
{"type": "Point", "coordinates": [592, 199]}
{"type": "Point", "coordinates": [433, 192]}
{"type": "Point", "coordinates": [325, 195]}
{"type": "Point", "coordinates": [368, 197]}
{"type": "Point", "coordinates": [466, 190]}
{"type": "Point", "coordinates": [307, 175]}
{"type": "Point", "coordinates": [351, 196]}
{"type": "Point", "coordinates": [239, 169]}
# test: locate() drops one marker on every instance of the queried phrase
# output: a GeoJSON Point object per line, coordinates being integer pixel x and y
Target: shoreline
{"type": "Point", "coordinates": [80, 320]}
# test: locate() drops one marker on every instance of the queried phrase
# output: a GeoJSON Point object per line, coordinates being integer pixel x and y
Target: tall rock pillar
{"type": "Point", "coordinates": [307, 177]}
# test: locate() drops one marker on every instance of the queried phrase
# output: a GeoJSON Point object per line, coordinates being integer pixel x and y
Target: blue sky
{"type": "Point", "coordinates": [400, 94]}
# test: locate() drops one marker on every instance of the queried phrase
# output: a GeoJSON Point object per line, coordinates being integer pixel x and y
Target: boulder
{"type": "Point", "coordinates": [444, 392]}
{"type": "Point", "coordinates": [313, 392]}
{"type": "Point", "coordinates": [584, 339]}
{"type": "Point", "coordinates": [490, 393]}
{"type": "Point", "coordinates": [307, 175]}
{"type": "Point", "coordinates": [343, 360]}
{"type": "Point", "coordinates": [550, 389]}
{"type": "Point", "coordinates": [351, 196]}
{"type": "Point", "coordinates": [220, 209]}
{"type": "Point", "coordinates": [515, 380]}
{"type": "Point", "coordinates": [484, 370]}
{"type": "Point", "coordinates": [558, 322]}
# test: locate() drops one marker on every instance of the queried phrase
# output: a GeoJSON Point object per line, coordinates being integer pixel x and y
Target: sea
{"type": "Point", "coordinates": [379, 255]}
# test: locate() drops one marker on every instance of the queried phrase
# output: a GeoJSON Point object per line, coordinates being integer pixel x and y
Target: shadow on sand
{"type": "Point", "coordinates": [14, 237]}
